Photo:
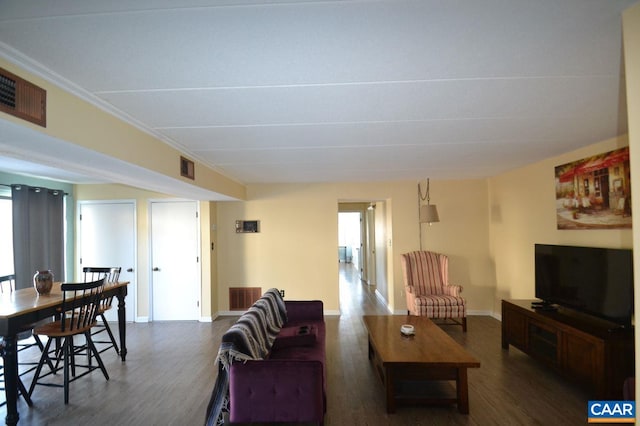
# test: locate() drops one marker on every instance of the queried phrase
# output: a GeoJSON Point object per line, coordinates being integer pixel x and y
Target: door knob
{"type": "Point", "coordinates": [156, 269]}
{"type": "Point", "coordinates": [130, 270]}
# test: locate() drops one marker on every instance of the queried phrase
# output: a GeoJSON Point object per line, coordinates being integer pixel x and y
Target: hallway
{"type": "Point", "coordinates": [356, 297]}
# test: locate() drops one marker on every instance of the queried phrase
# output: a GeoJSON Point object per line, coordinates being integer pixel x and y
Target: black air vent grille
{"type": "Point", "coordinates": [22, 99]}
{"type": "Point", "coordinates": [7, 91]}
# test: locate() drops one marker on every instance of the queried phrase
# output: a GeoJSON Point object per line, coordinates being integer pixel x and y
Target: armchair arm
{"type": "Point", "coordinates": [411, 299]}
{"type": "Point", "coordinates": [276, 391]}
{"type": "Point", "coordinates": [453, 290]}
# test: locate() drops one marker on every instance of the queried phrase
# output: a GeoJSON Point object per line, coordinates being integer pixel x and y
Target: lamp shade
{"type": "Point", "coordinates": [429, 214]}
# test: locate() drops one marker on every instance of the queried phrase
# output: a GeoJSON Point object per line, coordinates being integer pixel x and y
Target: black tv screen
{"type": "Point", "coordinates": [596, 281]}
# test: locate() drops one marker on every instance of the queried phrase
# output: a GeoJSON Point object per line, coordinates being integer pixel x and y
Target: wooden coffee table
{"type": "Point", "coordinates": [430, 355]}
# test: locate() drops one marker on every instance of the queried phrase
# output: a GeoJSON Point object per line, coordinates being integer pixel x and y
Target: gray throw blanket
{"type": "Point", "coordinates": [250, 338]}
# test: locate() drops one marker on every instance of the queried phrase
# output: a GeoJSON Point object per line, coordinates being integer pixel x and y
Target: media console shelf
{"type": "Point", "coordinates": [583, 349]}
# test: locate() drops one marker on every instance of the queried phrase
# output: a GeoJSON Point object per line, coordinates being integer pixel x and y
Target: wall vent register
{"type": "Point", "coordinates": [187, 168]}
{"type": "Point", "coordinates": [22, 99]}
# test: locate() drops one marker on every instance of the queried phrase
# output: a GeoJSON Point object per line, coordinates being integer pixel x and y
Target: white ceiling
{"type": "Point", "coordinates": [320, 91]}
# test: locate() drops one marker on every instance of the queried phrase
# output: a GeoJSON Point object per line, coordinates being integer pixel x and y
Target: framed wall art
{"type": "Point", "coordinates": [595, 192]}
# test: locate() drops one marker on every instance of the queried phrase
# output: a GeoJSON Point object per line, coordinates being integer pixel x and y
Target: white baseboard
{"type": "Point", "coordinates": [479, 313]}
{"type": "Point", "coordinates": [382, 300]}
{"type": "Point", "coordinates": [230, 313]}
{"type": "Point", "coordinates": [201, 319]}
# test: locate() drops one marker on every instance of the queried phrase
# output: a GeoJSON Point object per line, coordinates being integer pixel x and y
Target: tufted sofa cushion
{"type": "Point", "coordinates": [274, 391]}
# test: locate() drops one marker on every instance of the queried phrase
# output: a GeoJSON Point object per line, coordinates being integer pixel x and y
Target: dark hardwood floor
{"type": "Point", "coordinates": [169, 373]}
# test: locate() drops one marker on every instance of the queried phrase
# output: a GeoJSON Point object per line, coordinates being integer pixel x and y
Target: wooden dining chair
{"type": "Point", "coordinates": [111, 275]}
{"type": "Point", "coordinates": [78, 313]}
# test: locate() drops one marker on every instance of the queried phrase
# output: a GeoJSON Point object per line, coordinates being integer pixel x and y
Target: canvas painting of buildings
{"type": "Point", "coordinates": [595, 192]}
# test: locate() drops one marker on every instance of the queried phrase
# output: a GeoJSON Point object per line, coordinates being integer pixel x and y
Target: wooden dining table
{"type": "Point", "coordinates": [25, 307]}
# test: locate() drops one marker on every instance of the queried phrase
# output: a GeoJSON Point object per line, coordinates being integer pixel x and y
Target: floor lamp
{"type": "Point", "coordinates": [426, 213]}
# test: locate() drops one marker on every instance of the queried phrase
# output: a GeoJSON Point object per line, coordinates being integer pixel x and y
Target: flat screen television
{"type": "Point", "coordinates": [595, 281]}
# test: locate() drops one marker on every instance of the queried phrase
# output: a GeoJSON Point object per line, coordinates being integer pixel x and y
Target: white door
{"type": "Point", "coordinates": [107, 238]}
{"type": "Point", "coordinates": [175, 264]}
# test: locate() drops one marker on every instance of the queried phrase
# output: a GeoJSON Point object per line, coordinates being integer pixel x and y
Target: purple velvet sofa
{"type": "Point", "coordinates": [276, 373]}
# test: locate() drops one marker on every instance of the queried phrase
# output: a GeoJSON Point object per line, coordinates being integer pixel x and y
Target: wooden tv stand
{"type": "Point", "coordinates": [580, 347]}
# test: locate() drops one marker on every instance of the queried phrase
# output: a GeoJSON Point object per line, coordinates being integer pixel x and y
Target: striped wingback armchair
{"type": "Point", "coordinates": [426, 280]}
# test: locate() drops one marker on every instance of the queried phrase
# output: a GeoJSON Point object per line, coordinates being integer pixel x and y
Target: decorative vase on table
{"type": "Point", "coordinates": [43, 281]}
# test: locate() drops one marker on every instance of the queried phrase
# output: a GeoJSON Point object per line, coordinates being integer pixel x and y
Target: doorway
{"type": "Point", "coordinates": [175, 262]}
{"type": "Point", "coordinates": [357, 238]}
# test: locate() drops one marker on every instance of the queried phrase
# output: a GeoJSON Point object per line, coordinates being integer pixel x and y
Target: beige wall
{"type": "Point", "coordinates": [522, 213]}
{"type": "Point", "coordinates": [631, 28]}
{"type": "Point", "coordinates": [463, 235]}
{"type": "Point", "coordinates": [296, 249]}
{"type": "Point", "coordinates": [383, 251]}
{"type": "Point", "coordinates": [210, 295]}
{"type": "Point", "coordinates": [208, 263]}
{"type": "Point", "coordinates": [488, 229]}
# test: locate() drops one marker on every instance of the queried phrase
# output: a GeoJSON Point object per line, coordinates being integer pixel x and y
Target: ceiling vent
{"type": "Point", "coordinates": [22, 99]}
